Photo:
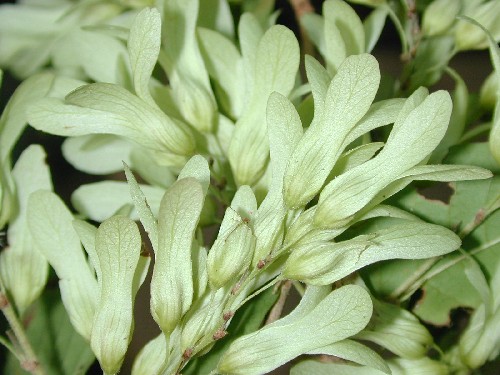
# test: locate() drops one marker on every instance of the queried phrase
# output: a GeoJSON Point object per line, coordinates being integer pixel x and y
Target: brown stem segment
{"type": "Point", "coordinates": [277, 309]}
{"type": "Point", "coordinates": [27, 357]}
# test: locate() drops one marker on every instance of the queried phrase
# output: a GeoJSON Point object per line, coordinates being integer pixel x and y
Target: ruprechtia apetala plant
{"type": "Point", "coordinates": [222, 128]}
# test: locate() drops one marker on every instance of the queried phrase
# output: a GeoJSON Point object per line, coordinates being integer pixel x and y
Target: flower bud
{"type": "Point", "coordinates": [196, 104]}
{"type": "Point", "coordinates": [488, 94]}
{"type": "Point", "coordinates": [230, 255]}
{"type": "Point", "coordinates": [439, 16]}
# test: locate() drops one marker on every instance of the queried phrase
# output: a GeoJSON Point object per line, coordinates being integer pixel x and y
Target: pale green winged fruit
{"type": "Point", "coordinates": [276, 63]}
{"type": "Point", "coordinates": [341, 314]}
{"type": "Point", "coordinates": [412, 139]}
{"type": "Point", "coordinates": [118, 246]}
{"type": "Point", "coordinates": [348, 98]}
{"type": "Point", "coordinates": [232, 251]}
{"type": "Point", "coordinates": [172, 282]}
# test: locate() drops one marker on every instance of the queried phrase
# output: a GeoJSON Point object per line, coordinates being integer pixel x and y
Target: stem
{"type": "Point", "coordinates": [410, 283]}
{"type": "Point", "coordinates": [429, 273]}
{"type": "Point", "coordinates": [27, 358]}
{"type": "Point", "coordinates": [399, 28]}
{"type": "Point", "coordinates": [258, 291]}
{"type": "Point", "coordinates": [277, 309]}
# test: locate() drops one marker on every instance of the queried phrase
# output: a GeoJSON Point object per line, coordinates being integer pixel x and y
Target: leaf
{"type": "Point", "coordinates": [59, 348]}
{"type": "Point", "coordinates": [144, 47]}
{"type": "Point", "coordinates": [276, 65]}
{"type": "Point", "coordinates": [97, 153]}
{"type": "Point", "coordinates": [100, 200]}
{"type": "Point", "coordinates": [50, 224]}
{"type": "Point", "coordinates": [348, 98]}
{"type": "Point", "coordinates": [118, 247]}
{"type": "Point", "coordinates": [339, 315]}
{"type": "Point", "coordinates": [471, 211]}
{"type": "Point", "coordinates": [172, 283]}
{"type": "Point", "coordinates": [349, 192]}
{"type": "Point", "coordinates": [322, 263]}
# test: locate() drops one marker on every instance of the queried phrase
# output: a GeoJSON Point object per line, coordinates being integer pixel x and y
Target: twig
{"type": "Point", "coordinates": [27, 358]}
{"type": "Point", "coordinates": [277, 309]}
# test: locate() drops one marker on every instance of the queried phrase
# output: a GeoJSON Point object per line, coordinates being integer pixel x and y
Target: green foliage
{"type": "Point", "coordinates": [247, 173]}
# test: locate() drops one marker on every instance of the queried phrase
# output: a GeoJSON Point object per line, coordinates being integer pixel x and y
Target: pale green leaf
{"type": "Point", "coordinates": [118, 247]}
{"type": "Point", "coordinates": [172, 282]}
{"type": "Point", "coordinates": [50, 223]}
{"type": "Point", "coordinates": [339, 315]}
{"type": "Point", "coordinates": [97, 153]}
{"type": "Point", "coordinates": [322, 263]}
{"type": "Point", "coordinates": [100, 200]}
{"type": "Point", "coordinates": [143, 47]}
{"type": "Point", "coordinates": [348, 98]}
{"type": "Point", "coordinates": [276, 66]}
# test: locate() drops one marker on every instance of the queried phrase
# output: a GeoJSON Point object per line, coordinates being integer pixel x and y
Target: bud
{"type": "Point", "coordinates": [469, 36]}
{"type": "Point", "coordinates": [489, 92]}
{"type": "Point", "coordinates": [196, 103]}
{"type": "Point", "coordinates": [439, 16]}
{"type": "Point", "coordinates": [230, 255]}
